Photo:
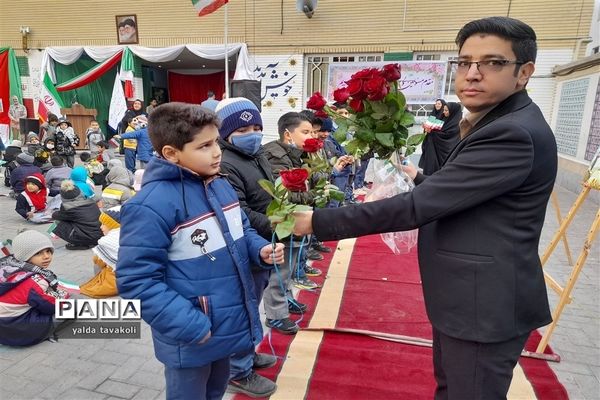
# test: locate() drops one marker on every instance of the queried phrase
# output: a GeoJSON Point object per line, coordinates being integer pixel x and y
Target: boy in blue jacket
{"type": "Point", "coordinates": [185, 252]}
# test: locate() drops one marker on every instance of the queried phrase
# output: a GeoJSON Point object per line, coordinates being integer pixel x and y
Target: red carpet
{"type": "Point", "coordinates": [382, 293]}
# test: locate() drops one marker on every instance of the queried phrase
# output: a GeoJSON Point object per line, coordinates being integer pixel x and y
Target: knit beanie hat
{"type": "Point", "coordinates": [68, 190]}
{"type": "Point", "coordinates": [25, 159]}
{"type": "Point", "coordinates": [26, 244]}
{"type": "Point", "coordinates": [111, 218]}
{"type": "Point", "coordinates": [32, 135]}
{"type": "Point", "coordinates": [235, 113]}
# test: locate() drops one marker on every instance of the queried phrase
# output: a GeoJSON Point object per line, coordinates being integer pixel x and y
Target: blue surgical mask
{"type": "Point", "coordinates": [249, 143]}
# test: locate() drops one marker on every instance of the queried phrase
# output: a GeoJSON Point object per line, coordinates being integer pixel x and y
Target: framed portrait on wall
{"type": "Point", "coordinates": [127, 29]}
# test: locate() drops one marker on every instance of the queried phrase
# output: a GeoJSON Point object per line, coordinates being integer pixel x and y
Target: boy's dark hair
{"type": "Point", "coordinates": [52, 118]}
{"type": "Point", "coordinates": [521, 36]}
{"type": "Point", "coordinates": [56, 161]}
{"type": "Point", "coordinates": [85, 156]}
{"type": "Point", "coordinates": [290, 121]}
{"type": "Point", "coordinates": [175, 124]}
{"type": "Point", "coordinates": [102, 144]}
{"type": "Point", "coordinates": [311, 115]}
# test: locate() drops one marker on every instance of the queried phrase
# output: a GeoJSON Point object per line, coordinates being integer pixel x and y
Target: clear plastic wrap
{"type": "Point", "coordinates": [388, 181]}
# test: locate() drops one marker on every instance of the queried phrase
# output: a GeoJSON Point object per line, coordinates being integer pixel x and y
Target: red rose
{"type": "Point", "coordinates": [321, 114]}
{"type": "Point", "coordinates": [316, 101]}
{"type": "Point", "coordinates": [366, 73]}
{"type": "Point", "coordinates": [357, 105]}
{"type": "Point", "coordinates": [391, 72]}
{"type": "Point", "coordinates": [312, 145]}
{"type": "Point", "coordinates": [354, 86]}
{"type": "Point", "coordinates": [294, 179]}
{"type": "Point", "coordinates": [376, 88]}
{"type": "Point", "coordinates": [341, 95]}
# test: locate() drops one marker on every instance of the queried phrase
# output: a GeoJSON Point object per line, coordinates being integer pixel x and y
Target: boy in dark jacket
{"type": "Point", "coordinates": [58, 173]}
{"type": "Point", "coordinates": [245, 164]}
{"type": "Point", "coordinates": [77, 219]}
{"type": "Point", "coordinates": [185, 252]}
{"type": "Point", "coordinates": [28, 291]}
{"type": "Point", "coordinates": [10, 155]}
{"type": "Point", "coordinates": [24, 169]}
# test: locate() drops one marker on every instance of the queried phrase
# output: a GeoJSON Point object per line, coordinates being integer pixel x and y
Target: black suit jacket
{"type": "Point", "coordinates": [480, 218]}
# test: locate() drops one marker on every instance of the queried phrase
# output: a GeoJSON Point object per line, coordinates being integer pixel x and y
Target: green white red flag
{"type": "Point", "coordinates": [50, 101]}
{"type": "Point", "coordinates": [205, 7]}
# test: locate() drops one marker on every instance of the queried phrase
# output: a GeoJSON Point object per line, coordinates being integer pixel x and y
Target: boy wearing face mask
{"type": "Point", "coordinates": [245, 163]}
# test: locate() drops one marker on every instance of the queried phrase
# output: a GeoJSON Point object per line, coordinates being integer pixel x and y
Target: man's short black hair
{"type": "Point", "coordinates": [56, 161]}
{"type": "Point", "coordinates": [290, 121]}
{"type": "Point", "coordinates": [175, 124]}
{"type": "Point", "coordinates": [521, 36]}
{"type": "Point", "coordinates": [210, 93]}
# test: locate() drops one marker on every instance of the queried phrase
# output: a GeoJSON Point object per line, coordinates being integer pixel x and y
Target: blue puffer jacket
{"type": "Point", "coordinates": [144, 145]}
{"type": "Point", "coordinates": [185, 252]}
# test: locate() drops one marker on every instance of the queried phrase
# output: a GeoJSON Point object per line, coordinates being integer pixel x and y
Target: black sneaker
{"type": "Point", "coordinates": [263, 360]}
{"type": "Point", "coordinates": [253, 385]}
{"type": "Point", "coordinates": [314, 255]}
{"type": "Point", "coordinates": [319, 246]}
{"type": "Point", "coordinates": [295, 307]}
{"type": "Point", "coordinates": [284, 325]}
{"type": "Point", "coordinates": [309, 270]}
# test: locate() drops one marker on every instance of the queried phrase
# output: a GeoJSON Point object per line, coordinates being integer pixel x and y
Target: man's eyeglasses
{"type": "Point", "coordinates": [484, 66]}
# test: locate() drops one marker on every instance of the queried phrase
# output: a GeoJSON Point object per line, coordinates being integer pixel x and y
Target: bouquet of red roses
{"type": "Point", "coordinates": [379, 120]}
{"type": "Point", "coordinates": [317, 169]}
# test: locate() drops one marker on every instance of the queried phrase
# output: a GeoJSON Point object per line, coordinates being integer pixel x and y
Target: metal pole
{"type": "Point", "coordinates": [226, 53]}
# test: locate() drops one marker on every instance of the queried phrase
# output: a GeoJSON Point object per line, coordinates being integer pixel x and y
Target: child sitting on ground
{"type": "Point", "coordinates": [85, 184]}
{"type": "Point", "coordinates": [31, 202]}
{"type": "Point", "coordinates": [58, 173]}
{"type": "Point", "coordinates": [93, 135]}
{"type": "Point", "coordinates": [77, 219]}
{"type": "Point", "coordinates": [28, 291]}
{"type": "Point", "coordinates": [24, 169]}
{"type": "Point", "coordinates": [119, 188]}
{"type": "Point", "coordinates": [187, 215]}
{"type": "Point", "coordinates": [95, 170]}
{"type": "Point", "coordinates": [104, 283]}
{"type": "Point", "coordinates": [104, 153]}
{"type": "Point", "coordinates": [33, 143]}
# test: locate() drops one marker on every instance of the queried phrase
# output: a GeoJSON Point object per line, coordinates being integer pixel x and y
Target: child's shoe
{"type": "Point", "coordinates": [284, 325]}
{"type": "Point", "coordinates": [253, 385]}
{"type": "Point", "coordinates": [312, 271]}
{"type": "Point", "coordinates": [304, 283]}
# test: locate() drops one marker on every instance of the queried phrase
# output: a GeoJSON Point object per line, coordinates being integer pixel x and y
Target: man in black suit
{"type": "Point", "coordinates": [480, 217]}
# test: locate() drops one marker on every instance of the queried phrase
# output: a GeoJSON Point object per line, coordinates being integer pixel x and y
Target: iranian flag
{"type": "Point", "coordinates": [205, 7]}
{"type": "Point", "coordinates": [50, 101]}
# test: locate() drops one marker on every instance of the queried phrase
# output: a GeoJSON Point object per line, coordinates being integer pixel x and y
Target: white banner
{"type": "Point", "coordinates": [118, 104]}
{"type": "Point", "coordinates": [421, 81]}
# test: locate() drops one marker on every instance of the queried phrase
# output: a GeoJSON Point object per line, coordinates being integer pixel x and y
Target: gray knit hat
{"type": "Point", "coordinates": [26, 244]}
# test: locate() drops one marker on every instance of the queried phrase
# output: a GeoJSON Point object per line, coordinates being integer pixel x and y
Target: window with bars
{"type": "Point", "coordinates": [317, 68]}
{"type": "Point", "coordinates": [23, 64]}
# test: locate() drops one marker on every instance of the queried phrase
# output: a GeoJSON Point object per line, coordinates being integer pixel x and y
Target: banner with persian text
{"type": "Point", "coordinates": [421, 81]}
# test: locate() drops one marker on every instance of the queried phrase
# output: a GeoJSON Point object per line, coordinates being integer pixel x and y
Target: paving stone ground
{"type": "Point", "coordinates": [126, 369]}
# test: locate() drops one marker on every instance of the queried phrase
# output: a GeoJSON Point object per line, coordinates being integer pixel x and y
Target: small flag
{"type": "Point", "coordinates": [114, 143]}
{"type": "Point", "coordinates": [433, 124]}
{"type": "Point", "coordinates": [205, 7]}
{"type": "Point", "coordinates": [69, 287]}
